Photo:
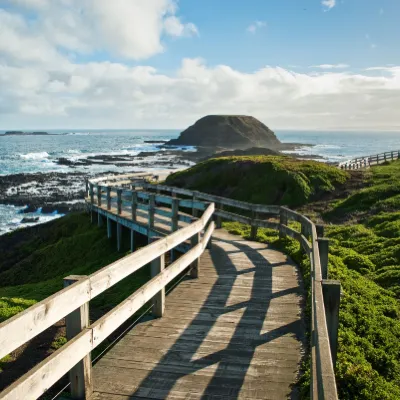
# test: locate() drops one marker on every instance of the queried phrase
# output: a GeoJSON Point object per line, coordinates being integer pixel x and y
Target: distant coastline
{"type": "Point", "coordinates": [22, 133]}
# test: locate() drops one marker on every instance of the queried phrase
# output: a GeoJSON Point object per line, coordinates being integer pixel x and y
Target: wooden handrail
{"type": "Point", "coordinates": [29, 323]}
{"type": "Point", "coordinates": [367, 161]}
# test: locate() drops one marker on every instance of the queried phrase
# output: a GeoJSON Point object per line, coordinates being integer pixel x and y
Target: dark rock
{"type": "Point", "coordinates": [253, 151]}
{"type": "Point", "coordinates": [228, 131]}
{"type": "Point", "coordinates": [29, 220]}
{"type": "Point", "coordinates": [156, 141]}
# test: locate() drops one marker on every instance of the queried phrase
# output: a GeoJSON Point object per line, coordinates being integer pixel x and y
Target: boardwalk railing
{"type": "Point", "coordinates": [364, 162]}
{"type": "Point", "coordinates": [162, 207]}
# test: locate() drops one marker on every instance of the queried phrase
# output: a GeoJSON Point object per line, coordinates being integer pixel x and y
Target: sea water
{"type": "Point", "coordinates": [28, 154]}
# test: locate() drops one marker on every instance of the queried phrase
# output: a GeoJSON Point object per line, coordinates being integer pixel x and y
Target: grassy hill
{"type": "Point", "coordinates": [363, 225]}
{"type": "Point", "coordinates": [262, 179]}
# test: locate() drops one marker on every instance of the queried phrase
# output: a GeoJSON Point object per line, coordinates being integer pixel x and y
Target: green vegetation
{"type": "Point", "coordinates": [36, 260]}
{"type": "Point", "coordinates": [364, 228]}
{"type": "Point", "coordinates": [261, 179]}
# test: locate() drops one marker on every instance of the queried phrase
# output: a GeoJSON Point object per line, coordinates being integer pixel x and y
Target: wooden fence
{"type": "Point", "coordinates": [365, 162]}
{"type": "Point", "coordinates": [73, 301]}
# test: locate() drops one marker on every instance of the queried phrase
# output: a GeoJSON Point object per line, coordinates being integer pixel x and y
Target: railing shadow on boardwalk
{"type": "Point", "coordinates": [226, 381]}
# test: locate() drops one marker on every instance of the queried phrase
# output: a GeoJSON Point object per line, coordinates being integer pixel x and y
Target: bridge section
{"type": "Point", "coordinates": [236, 332]}
{"type": "Point", "coordinates": [233, 328]}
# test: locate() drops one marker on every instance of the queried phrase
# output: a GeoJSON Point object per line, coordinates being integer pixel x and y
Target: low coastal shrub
{"type": "Point", "coordinates": [261, 179]}
{"type": "Point", "coordinates": [40, 257]}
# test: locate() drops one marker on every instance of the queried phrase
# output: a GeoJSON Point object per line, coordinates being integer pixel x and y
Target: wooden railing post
{"type": "Point", "coordinates": [108, 198]}
{"type": "Point", "coordinates": [320, 230]}
{"type": "Point", "coordinates": [109, 228]}
{"type": "Point", "coordinates": [157, 266]}
{"type": "Point", "coordinates": [119, 236]}
{"type": "Point", "coordinates": [91, 192]}
{"type": "Point", "coordinates": [119, 201]}
{"type": "Point", "coordinates": [175, 212]}
{"type": "Point", "coordinates": [86, 187]}
{"type": "Point", "coordinates": [134, 205]}
{"type": "Point", "coordinates": [99, 195]}
{"type": "Point", "coordinates": [219, 207]}
{"type": "Point", "coordinates": [195, 266]}
{"type": "Point", "coordinates": [392, 156]}
{"type": "Point", "coordinates": [283, 220]}
{"type": "Point", "coordinates": [254, 227]}
{"type": "Point", "coordinates": [331, 292]}
{"type": "Point", "coordinates": [195, 212]}
{"type": "Point", "coordinates": [151, 211]}
{"type": "Point", "coordinates": [80, 376]}
{"type": "Point", "coordinates": [323, 246]}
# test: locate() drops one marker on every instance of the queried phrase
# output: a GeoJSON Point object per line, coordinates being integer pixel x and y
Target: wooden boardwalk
{"type": "Point", "coordinates": [236, 332]}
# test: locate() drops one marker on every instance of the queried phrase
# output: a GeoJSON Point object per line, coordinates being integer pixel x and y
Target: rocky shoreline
{"type": "Point", "coordinates": [63, 192]}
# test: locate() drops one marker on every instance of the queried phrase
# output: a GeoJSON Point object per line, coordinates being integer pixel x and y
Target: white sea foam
{"type": "Point", "coordinates": [42, 155]}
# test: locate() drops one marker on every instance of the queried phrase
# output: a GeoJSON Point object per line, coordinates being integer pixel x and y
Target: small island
{"type": "Point", "coordinates": [38, 133]}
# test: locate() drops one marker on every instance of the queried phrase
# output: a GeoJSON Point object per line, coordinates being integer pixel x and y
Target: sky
{"type": "Point", "coordinates": [293, 64]}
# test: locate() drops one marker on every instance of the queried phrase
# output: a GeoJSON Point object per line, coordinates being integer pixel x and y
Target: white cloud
{"type": "Point", "coordinates": [128, 28]}
{"type": "Point", "coordinates": [174, 27]}
{"type": "Point", "coordinates": [43, 86]}
{"type": "Point", "coordinates": [256, 26]}
{"type": "Point", "coordinates": [329, 4]}
{"type": "Point", "coordinates": [330, 66]}
{"type": "Point", "coordinates": [99, 94]}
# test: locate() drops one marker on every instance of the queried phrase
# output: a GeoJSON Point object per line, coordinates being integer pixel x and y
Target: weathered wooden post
{"type": "Point", "coordinates": [134, 205]}
{"type": "Point", "coordinates": [175, 215]}
{"type": "Point", "coordinates": [157, 266]}
{"type": "Point", "coordinates": [80, 376]}
{"type": "Point", "coordinates": [119, 236]}
{"type": "Point", "coordinates": [108, 198]}
{"type": "Point", "coordinates": [392, 156]}
{"type": "Point", "coordinates": [151, 211]}
{"type": "Point", "coordinates": [99, 219]}
{"type": "Point", "coordinates": [99, 195]}
{"type": "Point", "coordinates": [254, 227]}
{"type": "Point", "coordinates": [331, 292]}
{"type": "Point", "coordinates": [384, 156]}
{"type": "Point", "coordinates": [91, 192]}
{"type": "Point", "coordinates": [119, 201]}
{"type": "Point", "coordinates": [219, 207]}
{"type": "Point", "coordinates": [195, 266]}
{"type": "Point", "coordinates": [194, 209]}
{"type": "Point", "coordinates": [320, 230]}
{"type": "Point", "coordinates": [109, 228]}
{"type": "Point", "coordinates": [323, 246]}
{"type": "Point", "coordinates": [86, 187]}
{"type": "Point", "coordinates": [283, 220]}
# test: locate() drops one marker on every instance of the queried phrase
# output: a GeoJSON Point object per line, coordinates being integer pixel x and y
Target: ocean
{"type": "Point", "coordinates": [29, 154]}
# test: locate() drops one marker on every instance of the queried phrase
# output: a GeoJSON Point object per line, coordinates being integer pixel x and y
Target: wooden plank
{"type": "Point", "coordinates": [23, 326]}
{"type": "Point", "coordinates": [36, 382]}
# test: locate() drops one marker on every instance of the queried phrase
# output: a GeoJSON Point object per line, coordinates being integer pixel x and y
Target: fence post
{"type": "Point", "coordinates": [194, 268]}
{"type": "Point", "coordinates": [320, 230]}
{"type": "Point", "coordinates": [174, 218]}
{"type": "Point", "coordinates": [134, 205]}
{"type": "Point", "coordinates": [80, 376]}
{"type": "Point", "coordinates": [91, 193]}
{"type": "Point", "coordinates": [86, 187]}
{"type": "Point", "coordinates": [194, 210]}
{"type": "Point", "coordinates": [109, 228]}
{"type": "Point", "coordinates": [108, 198]}
{"type": "Point", "coordinates": [331, 294]}
{"type": "Point", "coordinates": [151, 211]}
{"type": "Point", "coordinates": [384, 156]}
{"type": "Point", "coordinates": [99, 195]}
{"type": "Point", "coordinates": [99, 219]}
{"type": "Point", "coordinates": [119, 201]}
{"type": "Point", "coordinates": [157, 266]}
{"type": "Point", "coordinates": [323, 246]}
{"type": "Point", "coordinates": [219, 219]}
{"type": "Point", "coordinates": [283, 220]}
{"type": "Point", "coordinates": [392, 156]}
{"type": "Point", "coordinates": [119, 236]}
{"type": "Point", "coordinates": [254, 227]}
